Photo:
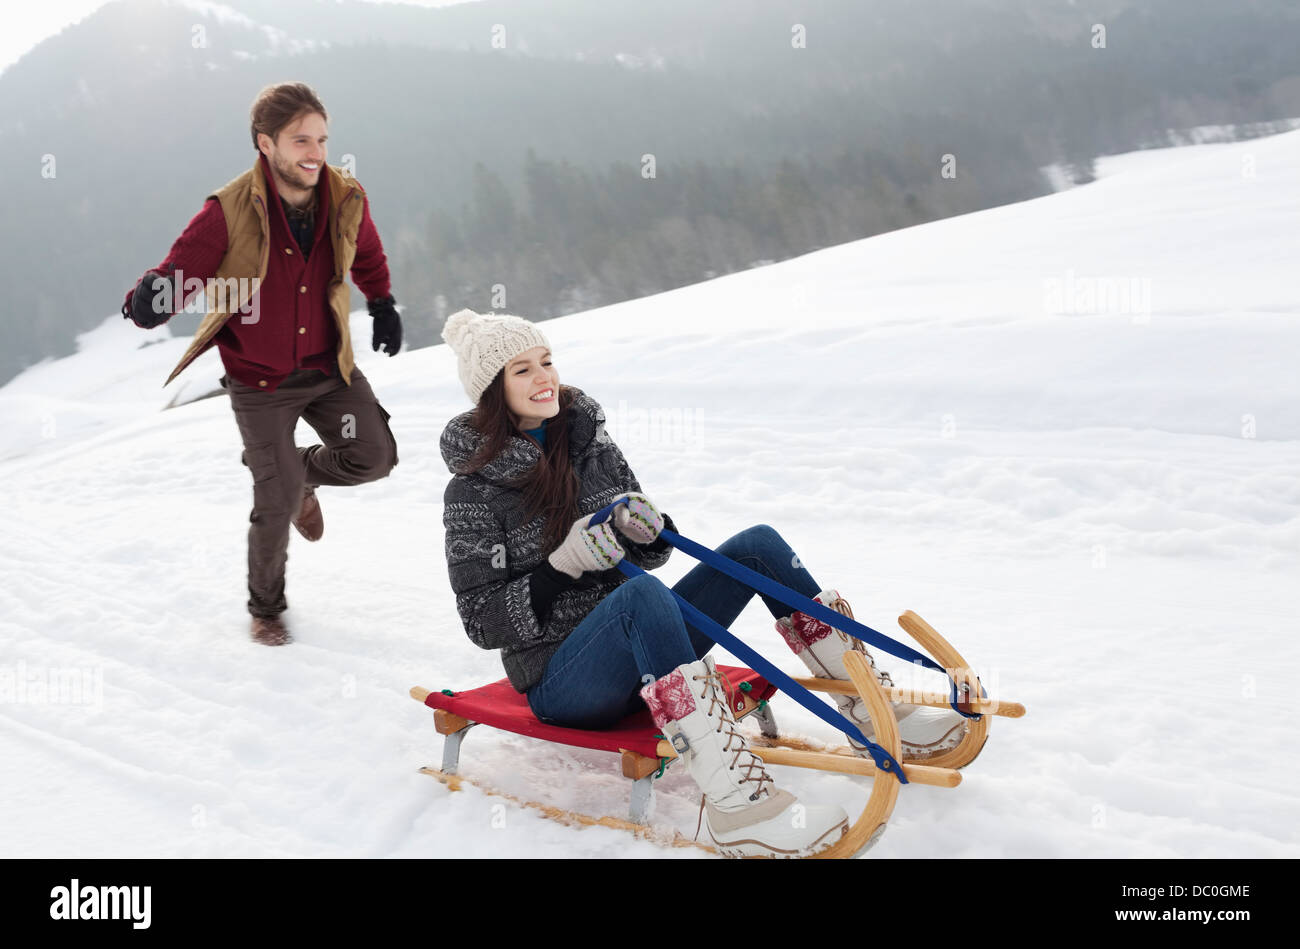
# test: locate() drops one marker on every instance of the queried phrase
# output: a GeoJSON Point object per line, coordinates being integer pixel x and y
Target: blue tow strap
{"type": "Point", "coordinates": [884, 761]}
{"type": "Point", "coordinates": [783, 594]}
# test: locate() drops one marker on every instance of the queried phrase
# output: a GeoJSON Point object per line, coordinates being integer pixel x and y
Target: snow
{"type": "Point", "coordinates": [1095, 499]}
{"type": "Point", "coordinates": [275, 38]}
{"type": "Point", "coordinates": [1187, 143]}
{"type": "Point", "coordinates": [222, 12]}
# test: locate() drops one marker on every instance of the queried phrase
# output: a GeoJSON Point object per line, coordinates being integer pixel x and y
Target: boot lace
{"type": "Point", "coordinates": [715, 690]}
{"type": "Point", "coordinates": [841, 606]}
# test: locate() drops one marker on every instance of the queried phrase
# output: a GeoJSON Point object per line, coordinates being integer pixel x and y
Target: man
{"type": "Point", "coordinates": [271, 249]}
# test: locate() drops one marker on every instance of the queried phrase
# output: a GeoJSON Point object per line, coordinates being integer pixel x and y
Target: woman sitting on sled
{"type": "Point", "coordinates": [588, 645]}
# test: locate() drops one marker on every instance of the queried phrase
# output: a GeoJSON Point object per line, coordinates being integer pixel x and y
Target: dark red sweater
{"type": "Point", "coordinates": [295, 327]}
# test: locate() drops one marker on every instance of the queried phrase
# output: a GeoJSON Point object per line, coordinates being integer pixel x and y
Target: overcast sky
{"type": "Point", "coordinates": [27, 22]}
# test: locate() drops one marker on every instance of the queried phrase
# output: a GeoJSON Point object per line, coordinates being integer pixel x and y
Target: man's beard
{"type": "Point", "coordinates": [291, 173]}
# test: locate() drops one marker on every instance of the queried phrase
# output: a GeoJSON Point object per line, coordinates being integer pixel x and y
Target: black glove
{"type": "Point", "coordinates": [388, 325]}
{"type": "Point", "coordinates": [139, 308]}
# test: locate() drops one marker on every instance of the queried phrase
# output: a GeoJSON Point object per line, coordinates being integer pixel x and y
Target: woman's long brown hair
{"type": "Point", "coordinates": [550, 488]}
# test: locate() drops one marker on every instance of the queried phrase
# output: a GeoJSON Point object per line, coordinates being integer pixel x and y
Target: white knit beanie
{"type": "Point", "coordinates": [484, 343]}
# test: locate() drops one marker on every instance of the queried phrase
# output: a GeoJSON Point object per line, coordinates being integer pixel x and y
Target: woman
{"type": "Point", "coordinates": [583, 642]}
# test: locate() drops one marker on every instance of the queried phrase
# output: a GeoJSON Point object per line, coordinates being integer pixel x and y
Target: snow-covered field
{"type": "Point", "coordinates": [1066, 432]}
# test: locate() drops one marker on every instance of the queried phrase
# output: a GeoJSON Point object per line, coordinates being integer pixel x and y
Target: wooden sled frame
{"type": "Point", "coordinates": [969, 691]}
{"type": "Point", "coordinates": [938, 771]}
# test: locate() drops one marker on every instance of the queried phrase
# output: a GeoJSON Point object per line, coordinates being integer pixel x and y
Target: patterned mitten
{"type": "Point", "coordinates": [638, 520]}
{"type": "Point", "coordinates": [595, 548]}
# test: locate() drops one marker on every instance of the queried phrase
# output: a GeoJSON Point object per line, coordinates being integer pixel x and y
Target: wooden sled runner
{"type": "Point", "coordinates": [644, 754]}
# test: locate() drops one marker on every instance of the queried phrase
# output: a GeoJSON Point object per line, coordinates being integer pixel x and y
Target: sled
{"type": "Point", "coordinates": [644, 754]}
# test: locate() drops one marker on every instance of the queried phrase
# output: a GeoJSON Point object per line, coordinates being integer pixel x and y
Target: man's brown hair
{"type": "Point", "coordinates": [277, 106]}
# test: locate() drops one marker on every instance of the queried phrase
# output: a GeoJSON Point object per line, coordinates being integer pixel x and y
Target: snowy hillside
{"type": "Point", "coordinates": [1066, 432]}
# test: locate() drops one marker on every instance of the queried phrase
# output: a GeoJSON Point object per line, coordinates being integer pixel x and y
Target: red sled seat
{"type": "Point", "coordinates": [500, 706]}
{"type": "Point", "coordinates": [636, 737]}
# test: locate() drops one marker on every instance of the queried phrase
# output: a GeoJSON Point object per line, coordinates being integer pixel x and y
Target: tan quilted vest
{"type": "Point", "coordinates": [244, 204]}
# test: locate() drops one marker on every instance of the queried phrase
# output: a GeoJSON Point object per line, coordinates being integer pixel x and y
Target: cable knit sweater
{"type": "Point", "coordinates": [493, 549]}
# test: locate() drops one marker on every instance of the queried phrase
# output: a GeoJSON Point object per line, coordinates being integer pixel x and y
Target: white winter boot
{"type": "Point", "coordinates": [747, 815]}
{"type": "Point", "coordinates": [925, 732]}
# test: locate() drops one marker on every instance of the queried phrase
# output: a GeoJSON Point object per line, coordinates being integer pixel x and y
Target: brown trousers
{"type": "Point", "coordinates": [357, 446]}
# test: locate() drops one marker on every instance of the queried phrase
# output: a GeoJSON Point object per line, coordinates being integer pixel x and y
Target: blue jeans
{"type": "Point", "coordinates": [595, 677]}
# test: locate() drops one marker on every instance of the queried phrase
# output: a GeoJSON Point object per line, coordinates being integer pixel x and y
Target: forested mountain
{"type": "Point", "coordinates": [504, 142]}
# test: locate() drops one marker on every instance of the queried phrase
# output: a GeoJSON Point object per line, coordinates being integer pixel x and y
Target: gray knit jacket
{"type": "Point", "coordinates": [492, 546]}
